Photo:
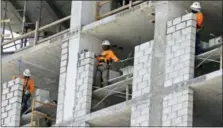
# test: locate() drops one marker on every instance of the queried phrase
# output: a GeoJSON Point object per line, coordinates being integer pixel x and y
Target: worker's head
{"type": "Point", "coordinates": [195, 7]}
{"type": "Point", "coordinates": [106, 45]}
{"type": "Point", "coordinates": [27, 73]}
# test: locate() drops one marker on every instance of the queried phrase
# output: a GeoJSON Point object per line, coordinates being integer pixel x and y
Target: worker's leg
{"type": "Point", "coordinates": [105, 73]}
{"type": "Point", "coordinates": [98, 74]}
{"type": "Point", "coordinates": [25, 99]}
{"type": "Point", "coordinates": [198, 47]}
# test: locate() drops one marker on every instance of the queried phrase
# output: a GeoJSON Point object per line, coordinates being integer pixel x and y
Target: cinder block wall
{"type": "Point", "coordinates": [62, 82]}
{"type": "Point", "coordinates": [11, 103]}
{"type": "Point", "coordinates": [178, 108]}
{"type": "Point", "coordinates": [180, 50]}
{"type": "Point", "coordinates": [141, 84]}
{"type": "Point", "coordinates": [83, 89]}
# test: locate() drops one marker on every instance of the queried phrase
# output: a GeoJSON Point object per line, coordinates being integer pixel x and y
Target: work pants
{"type": "Point", "coordinates": [103, 71]}
{"type": "Point", "coordinates": [198, 47]}
{"type": "Point", "coordinates": [25, 99]}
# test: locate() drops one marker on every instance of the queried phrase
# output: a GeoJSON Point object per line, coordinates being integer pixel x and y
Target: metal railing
{"type": "Point", "coordinates": [34, 33]}
{"type": "Point", "coordinates": [124, 6]}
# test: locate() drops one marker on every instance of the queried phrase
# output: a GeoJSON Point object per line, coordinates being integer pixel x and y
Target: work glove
{"type": "Point", "coordinates": [27, 92]}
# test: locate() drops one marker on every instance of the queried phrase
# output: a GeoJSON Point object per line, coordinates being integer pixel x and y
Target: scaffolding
{"type": "Point", "coordinates": [39, 113]}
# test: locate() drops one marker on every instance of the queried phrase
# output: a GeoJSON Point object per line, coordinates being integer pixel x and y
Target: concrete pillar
{"type": "Point", "coordinates": [62, 82]}
{"type": "Point", "coordinates": [82, 13]}
{"type": "Point", "coordinates": [11, 103]}
{"type": "Point", "coordinates": [83, 87]}
{"type": "Point", "coordinates": [180, 50]}
{"type": "Point", "coordinates": [178, 108]}
{"type": "Point", "coordinates": [141, 84]}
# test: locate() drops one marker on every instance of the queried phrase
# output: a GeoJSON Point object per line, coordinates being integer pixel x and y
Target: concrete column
{"type": "Point", "coordinates": [83, 87]}
{"type": "Point", "coordinates": [82, 13]}
{"type": "Point", "coordinates": [178, 108]}
{"type": "Point", "coordinates": [141, 84]}
{"type": "Point", "coordinates": [180, 52]}
{"type": "Point", "coordinates": [11, 103]}
{"type": "Point", "coordinates": [62, 81]}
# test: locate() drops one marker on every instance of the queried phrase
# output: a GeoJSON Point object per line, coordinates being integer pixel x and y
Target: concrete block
{"type": "Point", "coordinates": [171, 30]}
{"type": "Point", "coordinates": [5, 91]}
{"type": "Point", "coordinates": [191, 23]}
{"type": "Point", "coordinates": [63, 63]}
{"type": "Point", "coordinates": [138, 54]}
{"type": "Point", "coordinates": [180, 26]}
{"type": "Point", "coordinates": [172, 102]}
{"type": "Point", "coordinates": [15, 118]}
{"type": "Point", "coordinates": [64, 51]}
{"type": "Point", "coordinates": [175, 60]}
{"type": "Point", "coordinates": [89, 54]}
{"type": "Point", "coordinates": [4, 97]}
{"type": "Point", "coordinates": [168, 83]}
{"type": "Point", "coordinates": [16, 106]}
{"type": "Point", "coordinates": [189, 16]}
{"type": "Point", "coordinates": [188, 91]}
{"type": "Point", "coordinates": [191, 36]}
{"type": "Point", "coordinates": [17, 93]}
{"type": "Point", "coordinates": [165, 117]}
{"type": "Point", "coordinates": [178, 53]}
{"type": "Point", "coordinates": [166, 123]}
{"type": "Point", "coordinates": [15, 99]}
{"type": "Point", "coordinates": [177, 21]}
{"type": "Point", "coordinates": [141, 119]}
{"type": "Point", "coordinates": [178, 79]}
{"type": "Point", "coordinates": [189, 50]}
{"type": "Point", "coordinates": [65, 45]}
{"type": "Point", "coordinates": [177, 120]}
{"type": "Point", "coordinates": [172, 115]}
{"type": "Point", "coordinates": [144, 46]}
{"type": "Point", "coordinates": [64, 57]}
{"type": "Point", "coordinates": [5, 85]}
{"type": "Point", "coordinates": [135, 114]}
{"type": "Point", "coordinates": [4, 115]}
{"type": "Point", "coordinates": [218, 40]}
{"type": "Point", "coordinates": [169, 23]}
{"type": "Point", "coordinates": [145, 123]}
{"type": "Point", "coordinates": [166, 110]}
{"type": "Point", "coordinates": [4, 103]}
{"type": "Point", "coordinates": [137, 48]}
{"type": "Point", "coordinates": [16, 87]}
{"type": "Point", "coordinates": [185, 111]}
{"type": "Point", "coordinates": [175, 47]}
{"type": "Point", "coordinates": [63, 69]}
{"type": "Point", "coordinates": [169, 37]}
{"type": "Point", "coordinates": [177, 35]}
{"type": "Point", "coordinates": [9, 95]}
{"type": "Point", "coordinates": [8, 107]}
{"type": "Point", "coordinates": [188, 30]}
{"type": "Point", "coordinates": [187, 118]}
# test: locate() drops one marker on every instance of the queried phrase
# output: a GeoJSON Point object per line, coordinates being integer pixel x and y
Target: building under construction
{"type": "Point", "coordinates": [159, 81]}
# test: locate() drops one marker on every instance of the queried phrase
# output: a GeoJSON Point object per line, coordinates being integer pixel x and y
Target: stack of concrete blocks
{"type": "Point", "coordinates": [83, 89]}
{"type": "Point", "coordinates": [141, 84]}
{"type": "Point", "coordinates": [42, 96]}
{"type": "Point", "coordinates": [180, 49]}
{"type": "Point", "coordinates": [11, 103]}
{"type": "Point", "coordinates": [62, 82]}
{"type": "Point", "coordinates": [178, 108]}
{"type": "Point", "coordinates": [215, 41]}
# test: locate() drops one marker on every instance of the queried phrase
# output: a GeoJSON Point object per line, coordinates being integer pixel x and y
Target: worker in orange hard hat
{"type": "Point", "coordinates": [196, 9]}
{"type": "Point", "coordinates": [28, 89]}
{"type": "Point", "coordinates": [104, 60]}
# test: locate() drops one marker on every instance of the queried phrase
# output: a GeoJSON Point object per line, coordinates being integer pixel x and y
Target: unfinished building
{"type": "Point", "coordinates": [160, 82]}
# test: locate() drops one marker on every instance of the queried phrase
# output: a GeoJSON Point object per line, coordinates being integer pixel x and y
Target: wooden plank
{"type": "Point", "coordinates": [46, 104]}
{"type": "Point", "coordinates": [102, 3]}
{"type": "Point", "coordinates": [215, 54]}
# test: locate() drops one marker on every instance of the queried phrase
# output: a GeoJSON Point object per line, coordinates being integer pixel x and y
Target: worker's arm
{"type": "Point", "coordinates": [113, 56]}
{"type": "Point", "coordinates": [200, 19]}
{"type": "Point", "coordinates": [31, 87]}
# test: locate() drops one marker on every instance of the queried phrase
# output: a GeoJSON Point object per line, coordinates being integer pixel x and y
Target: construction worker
{"type": "Point", "coordinates": [196, 9]}
{"type": "Point", "coordinates": [28, 89]}
{"type": "Point", "coordinates": [104, 62]}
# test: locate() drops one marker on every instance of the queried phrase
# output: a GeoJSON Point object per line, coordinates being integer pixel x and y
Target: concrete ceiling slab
{"type": "Point", "coordinates": [208, 98]}
{"type": "Point", "coordinates": [43, 60]}
{"type": "Point", "coordinates": [127, 28]}
{"type": "Point", "coordinates": [116, 115]}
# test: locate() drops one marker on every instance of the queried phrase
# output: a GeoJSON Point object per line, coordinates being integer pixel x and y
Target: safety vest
{"type": "Point", "coordinates": [106, 57]}
{"type": "Point", "coordinates": [199, 20]}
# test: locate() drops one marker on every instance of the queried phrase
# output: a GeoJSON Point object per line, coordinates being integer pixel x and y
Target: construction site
{"type": "Point", "coordinates": [117, 63]}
